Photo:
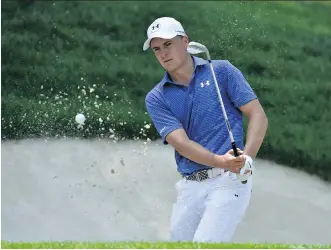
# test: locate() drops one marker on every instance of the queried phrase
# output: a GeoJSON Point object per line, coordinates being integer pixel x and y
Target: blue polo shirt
{"type": "Point", "coordinates": [197, 110]}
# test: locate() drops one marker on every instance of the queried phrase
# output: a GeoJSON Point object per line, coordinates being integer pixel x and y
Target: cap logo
{"type": "Point", "coordinates": [155, 27]}
{"type": "Point", "coordinates": [180, 31]}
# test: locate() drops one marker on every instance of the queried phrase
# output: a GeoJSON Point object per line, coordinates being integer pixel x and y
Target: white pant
{"type": "Point", "coordinates": [209, 211]}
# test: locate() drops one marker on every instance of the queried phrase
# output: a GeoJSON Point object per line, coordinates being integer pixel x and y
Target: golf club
{"type": "Point", "coordinates": [197, 48]}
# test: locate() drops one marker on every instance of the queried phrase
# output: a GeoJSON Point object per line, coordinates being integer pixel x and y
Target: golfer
{"type": "Point", "coordinates": [185, 110]}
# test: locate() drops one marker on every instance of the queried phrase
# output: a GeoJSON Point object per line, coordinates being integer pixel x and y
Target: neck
{"type": "Point", "coordinates": [182, 75]}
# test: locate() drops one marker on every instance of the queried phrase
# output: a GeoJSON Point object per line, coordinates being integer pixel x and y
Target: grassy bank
{"type": "Point", "coordinates": [61, 58]}
{"type": "Point", "coordinates": [158, 245]}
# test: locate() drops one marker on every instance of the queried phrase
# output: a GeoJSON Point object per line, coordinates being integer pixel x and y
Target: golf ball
{"type": "Point", "coordinates": [80, 118]}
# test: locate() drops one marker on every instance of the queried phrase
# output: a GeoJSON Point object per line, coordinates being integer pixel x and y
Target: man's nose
{"type": "Point", "coordinates": [164, 53]}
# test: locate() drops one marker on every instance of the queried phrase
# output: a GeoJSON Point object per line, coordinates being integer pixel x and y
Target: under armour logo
{"type": "Point", "coordinates": [155, 27]}
{"type": "Point", "coordinates": [202, 84]}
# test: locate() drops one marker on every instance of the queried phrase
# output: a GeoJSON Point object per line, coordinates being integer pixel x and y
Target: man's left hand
{"type": "Point", "coordinates": [247, 170]}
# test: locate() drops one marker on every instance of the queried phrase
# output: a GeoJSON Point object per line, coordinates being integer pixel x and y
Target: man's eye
{"type": "Point", "coordinates": [168, 44]}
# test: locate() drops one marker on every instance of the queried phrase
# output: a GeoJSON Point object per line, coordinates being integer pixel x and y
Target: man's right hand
{"type": "Point", "coordinates": [230, 162]}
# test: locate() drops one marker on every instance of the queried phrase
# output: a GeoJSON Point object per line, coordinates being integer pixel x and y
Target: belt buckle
{"type": "Point", "coordinates": [211, 173]}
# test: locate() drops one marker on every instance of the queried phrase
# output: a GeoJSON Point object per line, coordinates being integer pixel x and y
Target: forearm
{"type": "Point", "coordinates": [195, 152]}
{"type": "Point", "coordinates": [257, 128]}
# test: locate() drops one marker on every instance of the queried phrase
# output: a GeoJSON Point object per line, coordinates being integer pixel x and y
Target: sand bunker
{"type": "Point", "coordinates": [97, 190]}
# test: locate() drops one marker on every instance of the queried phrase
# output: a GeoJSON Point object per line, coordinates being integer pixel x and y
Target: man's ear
{"type": "Point", "coordinates": [185, 40]}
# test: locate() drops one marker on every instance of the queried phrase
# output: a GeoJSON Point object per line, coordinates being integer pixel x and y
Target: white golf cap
{"type": "Point", "coordinates": [163, 27]}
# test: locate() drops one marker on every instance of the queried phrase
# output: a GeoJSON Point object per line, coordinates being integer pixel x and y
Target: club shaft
{"type": "Point", "coordinates": [196, 48]}
{"type": "Point", "coordinates": [233, 143]}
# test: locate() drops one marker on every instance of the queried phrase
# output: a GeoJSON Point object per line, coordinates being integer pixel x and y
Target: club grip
{"type": "Point", "coordinates": [236, 154]}
{"type": "Point", "coordinates": [234, 149]}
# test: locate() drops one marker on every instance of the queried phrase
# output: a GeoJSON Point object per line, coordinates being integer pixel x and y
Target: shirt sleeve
{"type": "Point", "coordinates": [239, 90]}
{"type": "Point", "coordinates": [162, 117]}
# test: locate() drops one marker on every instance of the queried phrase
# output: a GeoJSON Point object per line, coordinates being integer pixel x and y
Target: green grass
{"type": "Point", "coordinates": [53, 51]}
{"type": "Point", "coordinates": [157, 245]}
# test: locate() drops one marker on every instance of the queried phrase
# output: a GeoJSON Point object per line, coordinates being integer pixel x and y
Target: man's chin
{"type": "Point", "coordinates": [169, 68]}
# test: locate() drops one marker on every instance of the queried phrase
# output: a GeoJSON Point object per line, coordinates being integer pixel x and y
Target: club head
{"type": "Point", "coordinates": [197, 48]}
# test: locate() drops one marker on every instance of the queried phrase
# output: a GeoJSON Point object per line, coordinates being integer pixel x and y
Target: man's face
{"type": "Point", "coordinates": [171, 53]}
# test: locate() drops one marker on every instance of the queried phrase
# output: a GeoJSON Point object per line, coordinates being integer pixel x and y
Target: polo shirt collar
{"type": "Point", "coordinates": [197, 61]}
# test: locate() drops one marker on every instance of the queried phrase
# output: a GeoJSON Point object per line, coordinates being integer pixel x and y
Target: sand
{"type": "Point", "coordinates": [98, 190]}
